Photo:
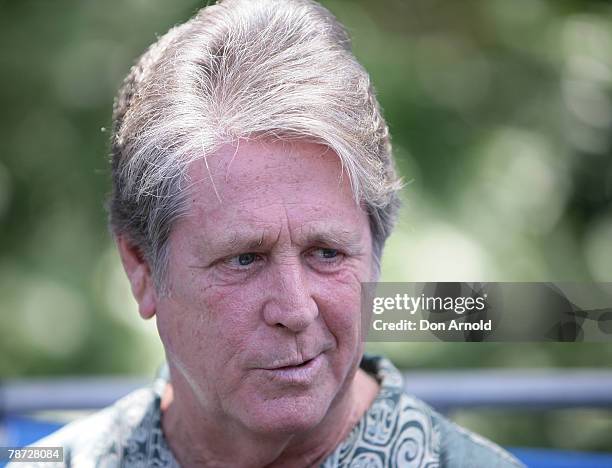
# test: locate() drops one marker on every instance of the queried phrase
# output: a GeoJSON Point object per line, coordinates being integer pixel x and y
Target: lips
{"type": "Point", "coordinates": [291, 364]}
{"type": "Point", "coordinates": [296, 372]}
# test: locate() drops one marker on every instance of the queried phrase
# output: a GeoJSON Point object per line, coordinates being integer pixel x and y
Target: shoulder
{"type": "Point", "coordinates": [462, 448]}
{"type": "Point", "coordinates": [455, 447]}
{"type": "Point", "coordinates": [408, 432]}
{"type": "Point", "coordinates": [100, 439]}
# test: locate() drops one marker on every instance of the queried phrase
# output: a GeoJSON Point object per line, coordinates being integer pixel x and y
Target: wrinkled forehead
{"type": "Point", "coordinates": [265, 188]}
{"type": "Point", "coordinates": [262, 167]}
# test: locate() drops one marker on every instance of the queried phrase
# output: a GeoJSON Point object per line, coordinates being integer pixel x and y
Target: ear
{"type": "Point", "coordinates": [139, 274]}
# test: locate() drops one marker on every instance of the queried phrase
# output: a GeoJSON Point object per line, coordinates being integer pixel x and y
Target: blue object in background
{"type": "Point", "coordinates": [541, 458]}
{"type": "Point", "coordinates": [19, 431]}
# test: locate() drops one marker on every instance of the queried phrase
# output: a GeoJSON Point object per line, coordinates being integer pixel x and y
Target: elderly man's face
{"type": "Point", "coordinates": [261, 323]}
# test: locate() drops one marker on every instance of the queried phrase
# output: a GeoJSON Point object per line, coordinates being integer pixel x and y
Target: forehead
{"type": "Point", "coordinates": [270, 161]}
{"type": "Point", "coordinates": [253, 174]}
{"type": "Point", "coordinates": [257, 185]}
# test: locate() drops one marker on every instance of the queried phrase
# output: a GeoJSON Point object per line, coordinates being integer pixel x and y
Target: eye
{"type": "Point", "coordinates": [246, 259]}
{"type": "Point", "coordinates": [326, 257]}
{"type": "Point", "coordinates": [329, 253]}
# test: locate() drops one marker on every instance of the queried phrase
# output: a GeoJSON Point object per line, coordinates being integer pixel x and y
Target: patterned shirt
{"type": "Point", "coordinates": [398, 430]}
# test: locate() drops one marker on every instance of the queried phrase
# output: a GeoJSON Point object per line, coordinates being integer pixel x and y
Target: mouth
{"type": "Point", "coordinates": [292, 366]}
{"type": "Point", "coordinates": [302, 372]}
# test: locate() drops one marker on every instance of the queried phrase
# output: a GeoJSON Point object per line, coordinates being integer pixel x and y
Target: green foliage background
{"type": "Point", "coordinates": [500, 114]}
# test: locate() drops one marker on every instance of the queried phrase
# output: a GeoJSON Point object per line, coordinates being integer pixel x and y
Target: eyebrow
{"type": "Point", "coordinates": [243, 240]}
{"type": "Point", "coordinates": [335, 236]}
{"type": "Point", "coordinates": [237, 240]}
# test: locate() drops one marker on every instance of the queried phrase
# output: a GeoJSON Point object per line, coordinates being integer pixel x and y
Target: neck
{"type": "Point", "coordinates": [199, 440]}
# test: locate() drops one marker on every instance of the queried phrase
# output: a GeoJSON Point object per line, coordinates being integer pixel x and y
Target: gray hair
{"type": "Point", "coordinates": [243, 69]}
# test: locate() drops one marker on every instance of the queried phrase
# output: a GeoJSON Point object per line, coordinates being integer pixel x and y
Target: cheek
{"type": "Point", "coordinates": [340, 305]}
{"type": "Point", "coordinates": [233, 314]}
{"type": "Point", "coordinates": [182, 332]}
{"type": "Point", "coordinates": [196, 322]}
{"type": "Point", "coordinates": [341, 313]}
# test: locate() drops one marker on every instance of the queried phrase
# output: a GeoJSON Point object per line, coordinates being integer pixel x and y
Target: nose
{"type": "Point", "coordinates": [290, 305]}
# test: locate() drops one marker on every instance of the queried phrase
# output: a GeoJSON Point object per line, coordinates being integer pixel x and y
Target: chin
{"type": "Point", "coordinates": [286, 415]}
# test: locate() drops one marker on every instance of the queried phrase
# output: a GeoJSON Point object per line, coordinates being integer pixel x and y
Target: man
{"type": "Point", "coordinates": [253, 191]}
